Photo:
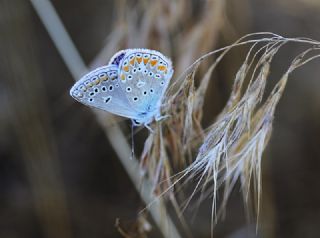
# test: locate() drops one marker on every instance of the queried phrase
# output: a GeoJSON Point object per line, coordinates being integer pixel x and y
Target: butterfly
{"type": "Point", "coordinates": [131, 85]}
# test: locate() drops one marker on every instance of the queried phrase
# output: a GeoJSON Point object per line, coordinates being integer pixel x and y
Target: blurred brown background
{"type": "Point", "coordinates": [59, 177]}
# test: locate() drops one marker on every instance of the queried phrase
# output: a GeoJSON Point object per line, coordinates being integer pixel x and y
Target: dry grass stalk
{"type": "Point", "coordinates": [231, 149]}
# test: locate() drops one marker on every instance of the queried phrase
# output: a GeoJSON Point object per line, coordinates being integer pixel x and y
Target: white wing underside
{"type": "Point", "coordinates": [113, 101]}
{"type": "Point", "coordinates": [132, 85]}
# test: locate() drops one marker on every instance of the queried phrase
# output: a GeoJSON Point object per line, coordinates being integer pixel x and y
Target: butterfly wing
{"type": "Point", "coordinates": [101, 89]}
{"type": "Point", "coordinates": [145, 75]}
{"type": "Point", "coordinates": [117, 58]}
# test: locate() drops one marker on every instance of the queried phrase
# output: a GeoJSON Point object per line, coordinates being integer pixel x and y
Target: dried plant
{"type": "Point", "coordinates": [227, 151]}
{"type": "Point", "coordinates": [231, 149]}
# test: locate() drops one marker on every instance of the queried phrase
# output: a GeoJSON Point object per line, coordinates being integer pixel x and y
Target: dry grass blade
{"type": "Point", "coordinates": [231, 149]}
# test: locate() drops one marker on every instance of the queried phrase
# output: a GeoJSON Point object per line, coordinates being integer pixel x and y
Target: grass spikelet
{"type": "Point", "coordinates": [249, 149]}
{"type": "Point", "coordinates": [231, 149]}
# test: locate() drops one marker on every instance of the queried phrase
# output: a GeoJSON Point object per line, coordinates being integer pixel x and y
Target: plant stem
{"type": "Point", "coordinates": [75, 64]}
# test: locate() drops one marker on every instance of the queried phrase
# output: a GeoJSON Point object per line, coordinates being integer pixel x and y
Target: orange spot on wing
{"type": "Point", "coordinates": [126, 68]}
{"type": "Point", "coordinates": [162, 67]}
{"type": "Point", "coordinates": [132, 61]}
{"type": "Point", "coordinates": [153, 62]}
{"type": "Point", "coordinates": [122, 77]}
{"type": "Point", "coordinates": [145, 61]}
{"type": "Point", "coordinates": [139, 59]}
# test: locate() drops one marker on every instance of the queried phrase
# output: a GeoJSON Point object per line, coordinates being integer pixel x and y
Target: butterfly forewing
{"type": "Point", "coordinates": [101, 89]}
{"type": "Point", "coordinates": [144, 76]}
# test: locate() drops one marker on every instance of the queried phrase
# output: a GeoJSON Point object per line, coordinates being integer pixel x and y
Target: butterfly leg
{"type": "Point", "coordinates": [160, 117]}
{"type": "Point", "coordinates": [137, 123]}
{"type": "Point", "coordinates": [148, 127]}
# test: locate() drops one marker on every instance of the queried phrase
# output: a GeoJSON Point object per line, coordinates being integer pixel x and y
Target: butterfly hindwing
{"type": "Point", "coordinates": [144, 76]}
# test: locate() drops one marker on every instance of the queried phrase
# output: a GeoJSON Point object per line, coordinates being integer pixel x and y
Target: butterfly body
{"type": "Point", "coordinates": [132, 85]}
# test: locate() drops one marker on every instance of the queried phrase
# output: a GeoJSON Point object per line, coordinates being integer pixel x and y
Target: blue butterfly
{"type": "Point", "coordinates": [132, 85]}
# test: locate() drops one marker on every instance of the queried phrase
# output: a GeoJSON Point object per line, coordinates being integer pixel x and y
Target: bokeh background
{"type": "Point", "coordinates": [59, 176]}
